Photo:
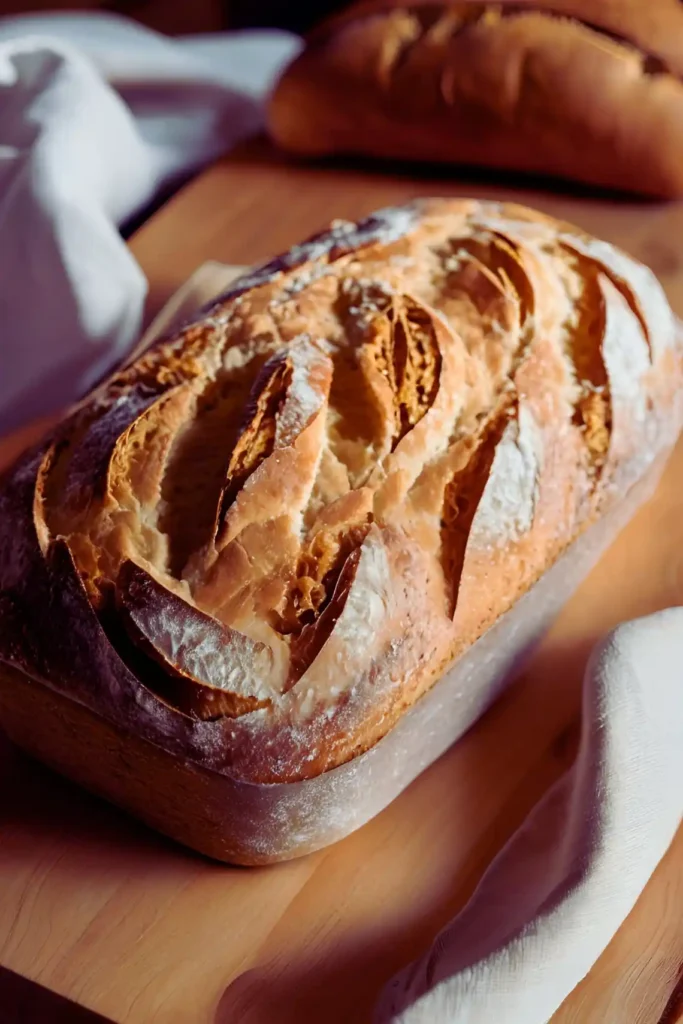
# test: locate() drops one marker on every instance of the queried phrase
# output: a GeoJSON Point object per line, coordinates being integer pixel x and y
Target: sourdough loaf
{"type": "Point", "coordinates": [265, 539]}
{"type": "Point", "coordinates": [587, 91]}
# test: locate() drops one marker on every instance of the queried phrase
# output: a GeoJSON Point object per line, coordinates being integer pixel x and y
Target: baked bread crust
{"type": "Point", "coordinates": [585, 91]}
{"type": "Point", "coordinates": [264, 540]}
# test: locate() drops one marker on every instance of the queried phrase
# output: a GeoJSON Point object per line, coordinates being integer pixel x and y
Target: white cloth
{"type": "Point", "coordinates": [555, 896]}
{"type": "Point", "coordinates": [96, 116]}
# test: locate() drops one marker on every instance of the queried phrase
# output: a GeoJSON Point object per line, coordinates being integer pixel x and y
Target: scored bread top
{"type": "Point", "coordinates": [270, 535]}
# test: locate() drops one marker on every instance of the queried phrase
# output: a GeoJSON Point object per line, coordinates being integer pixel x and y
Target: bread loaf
{"type": "Point", "coordinates": [268, 537]}
{"type": "Point", "coordinates": [586, 91]}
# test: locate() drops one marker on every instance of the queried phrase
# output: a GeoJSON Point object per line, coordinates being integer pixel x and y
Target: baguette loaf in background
{"type": "Point", "coordinates": [257, 546]}
{"type": "Point", "coordinates": [588, 91]}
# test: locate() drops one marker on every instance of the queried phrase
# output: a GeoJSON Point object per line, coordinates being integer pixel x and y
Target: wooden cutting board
{"type": "Point", "coordinates": [100, 910]}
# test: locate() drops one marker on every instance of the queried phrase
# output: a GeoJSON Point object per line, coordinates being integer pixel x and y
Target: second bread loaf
{"type": "Point", "coordinates": [586, 91]}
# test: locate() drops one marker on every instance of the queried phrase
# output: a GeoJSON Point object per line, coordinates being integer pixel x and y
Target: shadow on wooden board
{"type": "Point", "coordinates": [24, 1002]}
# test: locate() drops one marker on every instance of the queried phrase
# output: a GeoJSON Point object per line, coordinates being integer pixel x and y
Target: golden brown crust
{"type": "Point", "coordinates": [586, 91]}
{"type": "Point", "coordinates": [398, 426]}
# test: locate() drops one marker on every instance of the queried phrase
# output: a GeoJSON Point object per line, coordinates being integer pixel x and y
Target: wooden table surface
{"type": "Point", "coordinates": [98, 909]}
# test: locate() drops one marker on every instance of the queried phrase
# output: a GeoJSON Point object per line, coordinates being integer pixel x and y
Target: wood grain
{"type": "Point", "coordinates": [101, 910]}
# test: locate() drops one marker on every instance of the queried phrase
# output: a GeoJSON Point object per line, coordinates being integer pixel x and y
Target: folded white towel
{"type": "Point", "coordinates": [96, 116]}
{"type": "Point", "coordinates": [556, 895]}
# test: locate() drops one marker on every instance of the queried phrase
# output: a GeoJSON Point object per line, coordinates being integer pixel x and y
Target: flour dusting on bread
{"type": "Point", "coordinates": [506, 510]}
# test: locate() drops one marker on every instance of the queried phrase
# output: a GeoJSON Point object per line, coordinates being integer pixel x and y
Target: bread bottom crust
{"type": "Point", "coordinates": [175, 797]}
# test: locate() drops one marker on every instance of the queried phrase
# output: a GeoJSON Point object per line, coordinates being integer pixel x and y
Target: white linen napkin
{"type": "Point", "coordinates": [556, 895]}
{"type": "Point", "coordinates": [96, 116]}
